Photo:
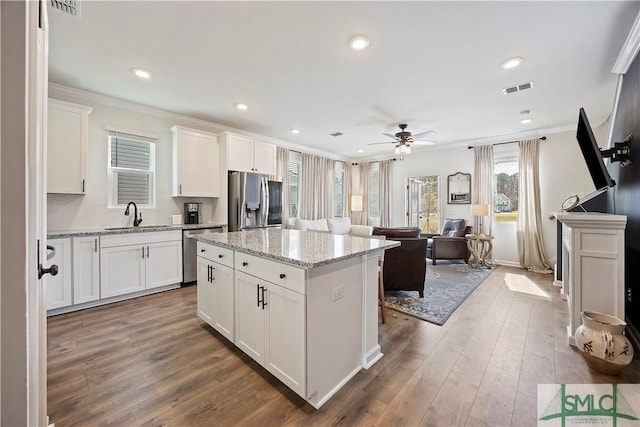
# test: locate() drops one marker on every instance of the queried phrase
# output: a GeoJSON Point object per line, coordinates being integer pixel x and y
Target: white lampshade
{"type": "Point", "coordinates": [356, 203]}
{"type": "Point", "coordinates": [479, 210]}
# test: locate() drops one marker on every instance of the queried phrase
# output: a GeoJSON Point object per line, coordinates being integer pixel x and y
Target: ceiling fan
{"type": "Point", "coordinates": [404, 139]}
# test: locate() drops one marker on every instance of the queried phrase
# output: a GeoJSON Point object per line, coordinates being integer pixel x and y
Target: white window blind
{"type": "Point", "coordinates": [131, 170]}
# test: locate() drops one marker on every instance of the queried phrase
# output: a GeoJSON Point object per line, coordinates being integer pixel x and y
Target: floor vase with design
{"type": "Point", "coordinates": [602, 343]}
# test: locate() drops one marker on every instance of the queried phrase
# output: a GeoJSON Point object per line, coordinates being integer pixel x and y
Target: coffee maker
{"type": "Point", "coordinates": [192, 213]}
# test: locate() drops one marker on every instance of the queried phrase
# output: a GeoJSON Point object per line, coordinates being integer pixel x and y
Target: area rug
{"type": "Point", "coordinates": [447, 285]}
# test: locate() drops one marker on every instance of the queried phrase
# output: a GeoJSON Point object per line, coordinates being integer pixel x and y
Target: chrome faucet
{"type": "Point", "coordinates": [136, 220]}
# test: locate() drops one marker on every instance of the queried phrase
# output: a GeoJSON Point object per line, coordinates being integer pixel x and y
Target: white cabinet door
{"type": "Point", "coordinates": [240, 152]}
{"type": "Point", "coordinates": [67, 140]}
{"type": "Point", "coordinates": [196, 163]}
{"type": "Point", "coordinates": [205, 291]}
{"type": "Point", "coordinates": [86, 269]}
{"type": "Point", "coordinates": [264, 158]}
{"type": "Point", "coordinates": [223, 300]}
{"type": "Point", "coordinates": [249, 316]}
{"type": "Point", "coordinates": [122, 270]}
{"type": "Point", "coordinates": [58, 288]}
{"type": "Point", "coordinates": [285, 336]}
{"type": "Point", "coordinates": [163, 263]}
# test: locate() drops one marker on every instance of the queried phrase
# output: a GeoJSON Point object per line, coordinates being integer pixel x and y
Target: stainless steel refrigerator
{"type": "Point", "coordinates": [254, 201]}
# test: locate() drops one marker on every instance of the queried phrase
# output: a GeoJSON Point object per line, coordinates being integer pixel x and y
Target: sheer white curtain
{"type": "Point", "coordinates": [363, 190]}
{"type": "Point", "coordinates": [282, 173]}
{"type": "Point", "coordinates": [385, 192]}
{"type": "Point", "coordinates": [483, 186]}
{"type": "Point", "coordinates": [317, 187]}
{"type": "Point", "coordinates": [529, 224]}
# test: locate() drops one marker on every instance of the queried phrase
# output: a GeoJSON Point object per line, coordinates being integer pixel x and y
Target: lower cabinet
{"type": "Point", "coordinates": [59, 288]}
{"type": "Point", "coordinates": [215, 296]}
{"type": "Point", "coordinates": [86, 269]}
{"type": "Point", "coordinates": [138, 261]}
{"type": "Point", "coordinates": [270, 327]}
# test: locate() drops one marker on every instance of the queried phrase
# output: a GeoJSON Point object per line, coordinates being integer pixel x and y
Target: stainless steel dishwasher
{"type": "Point", "coordinates": [189, 255]}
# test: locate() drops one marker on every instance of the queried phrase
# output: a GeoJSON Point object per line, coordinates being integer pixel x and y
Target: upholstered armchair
{"type": "Point", "coordinates": [450, 243]}
{"type": "Point", "coordinates": [405, 266]}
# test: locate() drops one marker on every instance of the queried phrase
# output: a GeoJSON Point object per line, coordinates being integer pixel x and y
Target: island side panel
{"type": "Point", "coordinates": [371, 351]}
{"type": "Point", "coordinates": [334, 327]}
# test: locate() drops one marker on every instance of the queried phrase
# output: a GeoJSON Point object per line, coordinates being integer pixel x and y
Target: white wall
{"type": "Point", "coordinates": [68, 212]}
{"type": "Point", "coordinates": [562, 172]}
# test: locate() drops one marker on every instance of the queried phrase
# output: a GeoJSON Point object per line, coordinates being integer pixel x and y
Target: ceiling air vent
{"type": "Point", "coordinates": [336, 134]}
{"type": "Point", "coordinates": [517, 88]}
{"type": "Point", "coordinates": [68, 7]}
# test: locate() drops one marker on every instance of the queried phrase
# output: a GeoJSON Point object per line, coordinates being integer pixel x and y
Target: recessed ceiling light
{"type": "Point", "coordinates": [511, 62]}
{"type": "Point", "coordinates": [242, 107]}
{"type": "Point", "coordinates": [142, 74]}
{"type": "Point", "coordinates": [296, 131]}
{"type": "Point", "coordinates": [358, 42]}
{"type": "Point", "coordinates": [361, 151]}
{"type": "Point", "coordinates": [527, 120]}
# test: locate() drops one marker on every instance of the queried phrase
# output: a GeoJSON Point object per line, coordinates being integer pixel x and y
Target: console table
{"type": "Point", "coordinates": [480, 246]}
{"type": "Point", "coordinates": [593, 264]}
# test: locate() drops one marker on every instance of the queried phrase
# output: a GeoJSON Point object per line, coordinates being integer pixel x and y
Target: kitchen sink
{"type": "Point", "coordinates": [131, 227]}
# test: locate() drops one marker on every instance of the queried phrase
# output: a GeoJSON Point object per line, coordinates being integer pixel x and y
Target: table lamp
{"type": "Point", "coordinates": [480, 211]}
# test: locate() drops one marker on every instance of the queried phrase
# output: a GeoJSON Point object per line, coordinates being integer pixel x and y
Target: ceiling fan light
{"type": "Point", "coordinates": [407, 150]}
{"type": "Point", "coordinates": [397, 150]}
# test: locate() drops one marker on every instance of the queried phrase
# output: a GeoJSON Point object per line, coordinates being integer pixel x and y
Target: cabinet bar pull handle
{"type": "Point", "coordinates": [147, 251]}
{"type": "Point", "coordinates": [263, 303]}
{"type": "Point", "coordinates": [213, 270]}
{"type": "Point", "coordinates": [244, 264]}
{"type": "Point", "coordinates": [282, 275]}
{"type": "Point", "coordinates": [95, 245]}
{"type": "Point", "coordinates": [208, 273]}
{"type": "Point", "coordinates": [83, 185]}
{"type": "Point", "coordinates": [180, 189]}
{"type": "Point", "coordinates": [143, 252]}
{"type": "Point", "coordinates": [258, 294]}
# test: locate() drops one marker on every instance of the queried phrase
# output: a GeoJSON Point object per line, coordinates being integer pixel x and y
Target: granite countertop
{"type": "Point", "coordinates": [120, 230]}
{"type": "Point", "coordinates": [306, 249]}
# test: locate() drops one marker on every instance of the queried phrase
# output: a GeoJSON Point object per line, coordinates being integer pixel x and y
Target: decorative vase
{"type": "Point", "coordinates": [602, 343]}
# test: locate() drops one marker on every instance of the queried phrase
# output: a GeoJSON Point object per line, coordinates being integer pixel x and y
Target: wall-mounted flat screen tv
{"type": "Point", "coordinates": [591, 153]}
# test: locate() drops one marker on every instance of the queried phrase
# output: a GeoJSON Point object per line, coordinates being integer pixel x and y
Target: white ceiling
{"type": "Point", "coordinates": [433, 65]}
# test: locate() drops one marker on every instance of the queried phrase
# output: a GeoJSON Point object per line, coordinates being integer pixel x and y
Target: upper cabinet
{"type": "Point", "coordinates": [196, 163]}
{"type": "Point", "coordinates": [67, 147]}
{"type": "Point", "coordinates": [246, 154]}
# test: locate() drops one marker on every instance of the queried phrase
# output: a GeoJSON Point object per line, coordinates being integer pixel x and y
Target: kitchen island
{"type": "Point", "coordinates": [303, 304]}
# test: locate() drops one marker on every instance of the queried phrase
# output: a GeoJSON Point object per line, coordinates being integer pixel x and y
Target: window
{"type": "Point", "coordinates": [339, 193]}
{"type": "Point", "coordinates": [294, 169]}
{"type": "Point", "coordinates": [374, 191]}
{"type": "Point", "coordinates": [505, 184]}
{"type": "Point", "coordinates": [131, 171]}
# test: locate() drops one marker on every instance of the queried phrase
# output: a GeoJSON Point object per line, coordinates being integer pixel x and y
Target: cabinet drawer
{"type": "Point", "coordinates": [281, 274]}
{"type": "Point", "coordinates": [215, 253]}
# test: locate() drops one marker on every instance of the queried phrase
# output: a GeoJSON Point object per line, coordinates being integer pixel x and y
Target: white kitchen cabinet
{"type": "Point", "coordinates": [58, 288]}
{"type": "Point", "coordinates": [133, 262]}
{"type": "Point", "coordinates": [216, 289]}
{"type": "Point", "coordinates": [246, 154]}
{"type": "Point", "coordinates": [67, 147]}
{"type": "Point", "coordinates": [196, 163]}
{"type": "Point", "coordinates": [86, 269]}
{"type": "Point", "coordinates": [270, 328]}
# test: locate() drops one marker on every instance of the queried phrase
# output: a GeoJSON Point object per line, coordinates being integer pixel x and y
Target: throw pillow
{"type": "Point", "coordinates": [318, 224]}
{"type": "Point", "coordinates": [339, 225]}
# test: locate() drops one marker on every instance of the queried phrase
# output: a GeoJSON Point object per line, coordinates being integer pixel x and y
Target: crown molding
{"type": "Point", "coordinates": [85, 96]}
{"type": "Point", "coordinates": [629, 50]}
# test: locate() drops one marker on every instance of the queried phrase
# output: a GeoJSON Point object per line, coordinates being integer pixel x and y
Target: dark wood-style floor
{"type": "Point", "coordinates": [151, 361]}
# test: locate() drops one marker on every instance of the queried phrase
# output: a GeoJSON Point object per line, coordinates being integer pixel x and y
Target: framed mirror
{"type": "Point", "coordinates": [459, 189]}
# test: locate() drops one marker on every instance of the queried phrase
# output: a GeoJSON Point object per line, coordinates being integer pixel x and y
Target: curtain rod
{"type": "Point", "coordinates": [378, 161]}
{"type": "Point", "coordinates": [543, 138]}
